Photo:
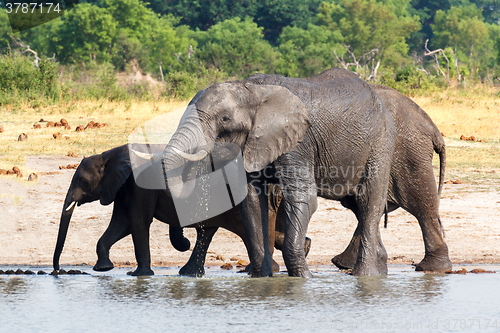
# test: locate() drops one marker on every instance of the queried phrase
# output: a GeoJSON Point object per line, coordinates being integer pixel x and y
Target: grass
{"type": "Point", "coordinates": [122, 117]}
{"type": "Point", "coordinates": [473, 111]}
{"type": "Point", "coordinates": [470, 112]}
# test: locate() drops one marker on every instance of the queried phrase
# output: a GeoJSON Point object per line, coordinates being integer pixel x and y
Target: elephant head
{"type": "Point", "coordinates": [97, 177]}
{"type": "Point", "coordinates": [263, 121]}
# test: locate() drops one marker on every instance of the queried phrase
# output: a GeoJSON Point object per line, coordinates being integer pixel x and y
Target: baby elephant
{"type": "Point", "coordinates": [108, 177]}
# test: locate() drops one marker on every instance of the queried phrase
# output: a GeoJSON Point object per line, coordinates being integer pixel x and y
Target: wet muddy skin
{"type": "Point", "coordinates": [227, 301]}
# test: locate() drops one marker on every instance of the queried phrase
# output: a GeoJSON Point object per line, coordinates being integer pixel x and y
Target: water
{"type": "Point", "coordinates": [226, 301]}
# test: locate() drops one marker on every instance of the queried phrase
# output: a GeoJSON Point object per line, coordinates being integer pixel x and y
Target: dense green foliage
{"type": "Point", "coordinates": [20, 79]}
{"type": "Point", "coordinates": [191, 44]}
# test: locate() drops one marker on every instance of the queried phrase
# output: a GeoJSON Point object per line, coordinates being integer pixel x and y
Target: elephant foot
{"type": "Point", "coordinates": [364, 266]}
{"type": "Point", "coordinates": [438, 261]}
{"type": "Point", "coordinates": [276, 267]}
{"type": "Point", "coordinates": [103, 266]}
{"type": "Point", "coordinates": [364, 269]}
{"type": "Point", "coordinates": [266, 270]}
{"type": "Point", "coordinates": [345, 260]}
{"type": "Point", "coordinates": [302, 273]}
{"type": "Point", "coordinates": [192, 270]}
{"type": "Point", "coordinates": [142, 271]}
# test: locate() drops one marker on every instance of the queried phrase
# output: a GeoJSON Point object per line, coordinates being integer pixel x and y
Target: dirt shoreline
{"type": "Point", "coordinates": [31, 210]}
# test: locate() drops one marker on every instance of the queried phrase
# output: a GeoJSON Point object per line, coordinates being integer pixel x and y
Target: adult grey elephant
{"type": "Point", "coordinates": [412, 184]}
{"type": "Point", "coordinates": [333, 138]}
{"type": "Point", "coordinates": [108, 177]}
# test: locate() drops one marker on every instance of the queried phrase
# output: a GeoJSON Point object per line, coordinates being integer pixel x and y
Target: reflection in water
{"type": "Point", "coordinates": [13, 286]}
{"type": "Point", "coordinates": [424, 287]}
{"type": "Point", "coordinates": [233, 302]}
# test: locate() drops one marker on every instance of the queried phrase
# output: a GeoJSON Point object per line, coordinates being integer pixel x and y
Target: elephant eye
{"type": "Point", "coordinates": [84, 185]}
{"type": "Point", "coordinates": [225, 119]}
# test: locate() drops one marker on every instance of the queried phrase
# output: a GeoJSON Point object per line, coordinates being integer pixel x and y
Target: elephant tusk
{"type": "Point", "coordinates": [191, 157]}
{"type": "Point", "coordinates": [71, 205]}
{"type": "Point", "coordinates": [148, 156]}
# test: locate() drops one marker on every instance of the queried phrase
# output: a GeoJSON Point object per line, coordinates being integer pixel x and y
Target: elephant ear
{"type": "Point", "coordinates": [280, 123]}
{"type": "Point", "coordinates": [117, 169]}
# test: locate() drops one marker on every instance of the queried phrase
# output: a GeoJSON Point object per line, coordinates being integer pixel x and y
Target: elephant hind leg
{"type": "Point", "coordinates": [347, 259]}
{"type": "Point", "coordinates": [436, 257]}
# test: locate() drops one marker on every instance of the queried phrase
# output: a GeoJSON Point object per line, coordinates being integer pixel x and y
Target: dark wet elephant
{"type": "Point", "coordinates": [412, 184]}
{"type": "Point", "coordinates": [335, 139]}
{"type": "Point", "coordinates": [108, 177]}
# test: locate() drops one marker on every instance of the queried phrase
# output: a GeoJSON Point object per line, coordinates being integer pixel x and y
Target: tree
{"type": "Point", "coordinates": [425, 10]}
{"type": "Point", "coordinates": [236, 47]}
{"type": "Point", "coordinates": [135, 27]}
{"type": "Point", "coordinates": [202, 14]}
{"type": "Point", "coordinates": [463, 29]}
{"type": "Point", "coordinates": [374, 35]}
{"type": "Point", "coordinates": [5, 31]}
{"type": "Point", "coordinates": [169, 46]}
{"type": "Point", "coordinates": [491, 10]}
{"type": "Point", "coordinates": [274, 15]}
{"type": "Point", "coordinates": [307, 52]}
{"type": "Point", "coordinates": [86, 33]}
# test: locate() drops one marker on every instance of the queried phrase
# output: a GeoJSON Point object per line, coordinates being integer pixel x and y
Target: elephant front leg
{"type": "Point", "coordinates": [195, 265]}
{"type": "Point", "coordinates": [140, 237]}
{"type": "Point", "coordinates": [298, 215]}
{"type": "Point", "coordinates": [256, 231]}
{"type": "Point", "coordinates": [118, 228]}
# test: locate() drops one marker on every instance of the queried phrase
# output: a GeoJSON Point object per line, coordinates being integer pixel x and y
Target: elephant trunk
{"type": "Point", "coordinates": [67, 212]}
{"type": "Point", "coordinates": [181, 155]}
{"type": "Point", "coordinates": [179, 242]}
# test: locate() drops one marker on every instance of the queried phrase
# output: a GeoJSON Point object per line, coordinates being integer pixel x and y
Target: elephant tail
{"type": "Point", "coordinates": [386, 215]}
{"type": "Point", "coordinates": [440, 149]}
{"type": "Point", "coordinates": [177, 239]}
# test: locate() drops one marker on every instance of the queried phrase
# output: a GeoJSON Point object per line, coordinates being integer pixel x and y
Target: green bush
{"type": "Point", "coordinates": [22, 81]}
{"type": "Point", "coordinates": [97, 81]}
{"type": "Point", "coordinates": [183, 85]}
{"type": "Point", "coordinates": [236, 47]}
{"type": "Point", "coordinates": [411, 81]}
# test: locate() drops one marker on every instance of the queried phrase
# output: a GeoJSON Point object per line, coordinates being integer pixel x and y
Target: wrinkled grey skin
{"type": "Point", "coordinates": [108, 177]}
{"type": "Point", "coordinates": [412, 184]}
{"type": "Point", "coordinates": [294, 125]}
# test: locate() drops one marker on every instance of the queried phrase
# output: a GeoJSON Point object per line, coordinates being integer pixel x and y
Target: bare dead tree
{"type": "Point", "coordinates": [190, 51]}
{"type": "Point", "coordinates": [345, 64]}
{"type": "Point", "coordinates": [437, 66]}
{"type": "Point", "coordinates": [442, 52]}
{"type": "Point", "coordinates": [366, 61]}
{"type": "Point", "coordinates": [19, 43]}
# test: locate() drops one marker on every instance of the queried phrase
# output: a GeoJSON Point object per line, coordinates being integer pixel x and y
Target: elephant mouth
{"type": "Point", "coordinates": [201, 154]}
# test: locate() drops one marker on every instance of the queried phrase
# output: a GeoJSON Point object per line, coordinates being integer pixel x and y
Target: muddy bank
{"type": "Point", "coordinates": [31, 211]}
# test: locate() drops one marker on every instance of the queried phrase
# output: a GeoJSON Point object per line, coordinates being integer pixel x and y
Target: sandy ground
{"type": "Point", "coordinates": [30, 213]}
